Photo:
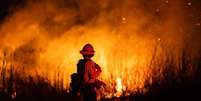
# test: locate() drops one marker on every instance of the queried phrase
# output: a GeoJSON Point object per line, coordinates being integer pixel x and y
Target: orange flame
{"type": "Point", "coordinates": [47, 41]}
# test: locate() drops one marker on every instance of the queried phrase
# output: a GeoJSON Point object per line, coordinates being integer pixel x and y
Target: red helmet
{"type": "Point", "coordinates": [87, 50]}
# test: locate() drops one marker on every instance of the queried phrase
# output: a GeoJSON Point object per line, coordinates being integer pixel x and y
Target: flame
{"type": "Point", "coordinates": [47, 41]}
{"type": "Point", "coordinates": [119, 87]}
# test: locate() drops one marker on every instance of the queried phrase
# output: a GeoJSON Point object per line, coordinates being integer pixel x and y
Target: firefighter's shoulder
{"type": "Point", "coordinates": [90, 63]}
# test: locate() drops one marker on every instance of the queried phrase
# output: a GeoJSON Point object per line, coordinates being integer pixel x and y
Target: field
{"type": "Point", "coordinates": [184, 84]}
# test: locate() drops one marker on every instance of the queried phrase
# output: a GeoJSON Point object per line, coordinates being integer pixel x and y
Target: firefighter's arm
{"type": "Point", "coordinates": [98, 70]}
{"type": "Point", "coordinates": [87, 72]}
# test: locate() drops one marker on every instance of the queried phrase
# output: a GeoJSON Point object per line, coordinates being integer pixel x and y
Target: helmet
{"type": "Point", "coordinates": [87, 50]}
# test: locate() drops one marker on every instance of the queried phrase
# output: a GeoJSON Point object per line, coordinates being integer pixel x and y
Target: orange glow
{"type": "Point", "coordinates": [47, 42]}
{"type": "Point", "coordinates": [119, 87]}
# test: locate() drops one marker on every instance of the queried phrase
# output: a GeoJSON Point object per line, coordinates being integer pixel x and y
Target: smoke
{"type": "Point", "coordinates": [46, 36]}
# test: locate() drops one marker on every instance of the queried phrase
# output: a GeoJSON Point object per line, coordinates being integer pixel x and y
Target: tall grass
{"type": "Point", "coordinates": [170, 75]}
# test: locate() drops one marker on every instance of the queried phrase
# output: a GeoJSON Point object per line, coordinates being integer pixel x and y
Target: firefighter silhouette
{"type": "Point", "coordinates": [85, 81]}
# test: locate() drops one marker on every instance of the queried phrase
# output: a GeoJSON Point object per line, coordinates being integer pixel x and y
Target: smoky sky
{"type": "Point", "coordinates": [8, 7]}
{"type": "Point", "coordinates": [192, 9]}
{"type": "Point", "coordinates": [86, 11]}
{"type": "Point", "coordinates": [157, 18]}
{"type": "Point", "coordinates": [49, 33]}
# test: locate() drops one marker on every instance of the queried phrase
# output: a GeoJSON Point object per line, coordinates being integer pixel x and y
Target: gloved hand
{"type": "Point", "coordinates": [99, 84]}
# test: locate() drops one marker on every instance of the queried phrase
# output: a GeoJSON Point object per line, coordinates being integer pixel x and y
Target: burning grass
{"type": "Point", "coordinates": [166, 78]}
{"type": "Point", "coordinates": [145, 48]}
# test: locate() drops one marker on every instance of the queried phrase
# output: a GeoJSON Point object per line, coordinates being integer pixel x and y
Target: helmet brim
{"type": "Point", "coordinates": [87, 52]}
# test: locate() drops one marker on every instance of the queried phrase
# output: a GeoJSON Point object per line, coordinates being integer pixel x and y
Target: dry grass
{"type": "Point", "coordinates": [170, 80]}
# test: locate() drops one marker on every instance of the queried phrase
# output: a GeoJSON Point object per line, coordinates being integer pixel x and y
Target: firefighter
{"type": "Point", "coordinates": [86, 78]}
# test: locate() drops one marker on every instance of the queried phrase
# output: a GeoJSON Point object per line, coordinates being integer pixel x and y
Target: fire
{"type": "Point", "coordinates": [119, 87]}
{"type": "Point", "coordinates": [131, 47]}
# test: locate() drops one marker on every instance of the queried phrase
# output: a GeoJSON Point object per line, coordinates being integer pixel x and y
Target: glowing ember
{"type": "Point", "coordinates": [189, 3]}
{"type": "Point", "coordinates": [13, 95]}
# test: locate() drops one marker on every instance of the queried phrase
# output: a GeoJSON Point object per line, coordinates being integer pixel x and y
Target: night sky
{"type": "Point", "coordinates": [192, 9]}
